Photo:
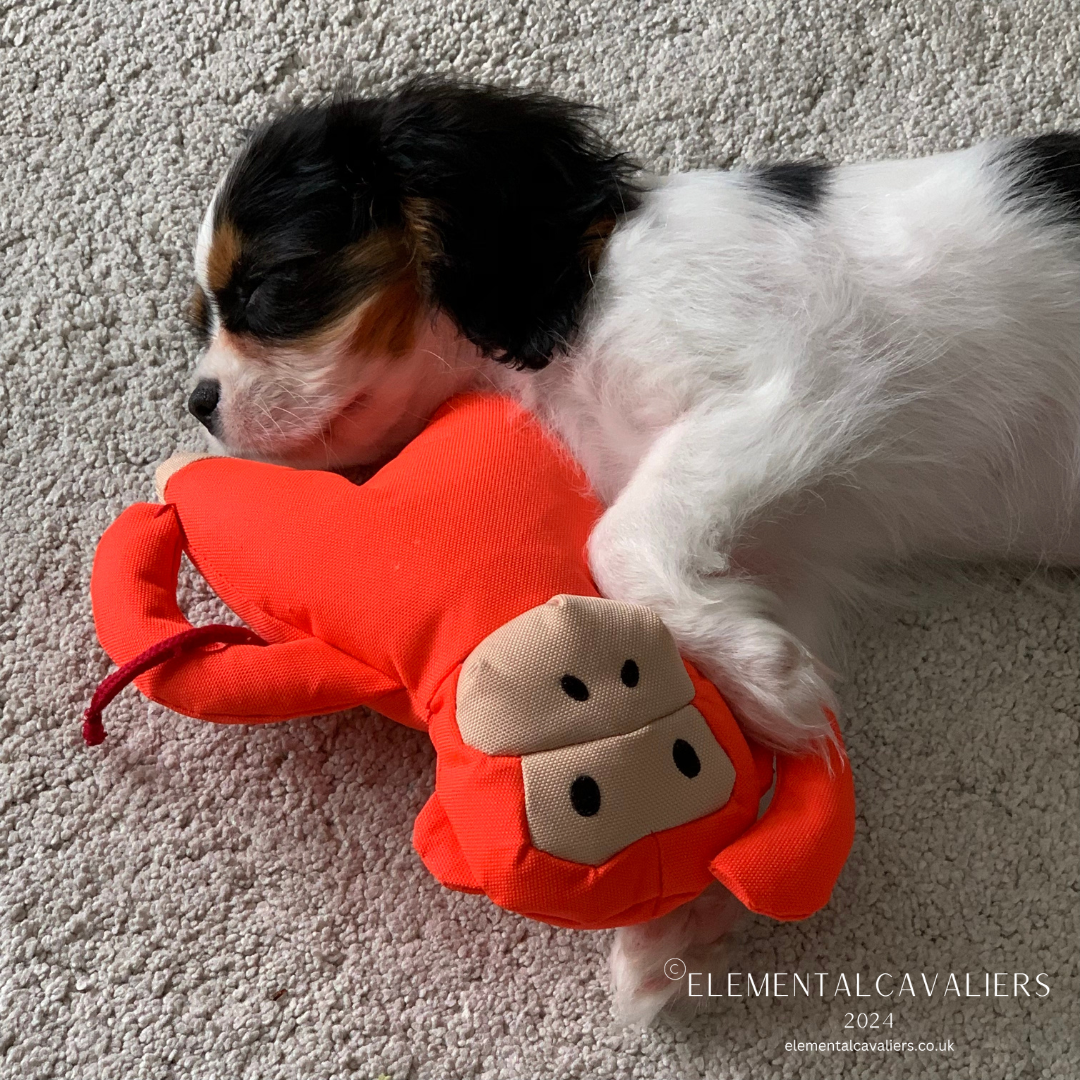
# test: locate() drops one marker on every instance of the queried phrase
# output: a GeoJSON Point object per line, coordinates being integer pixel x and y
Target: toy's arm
{"type": "Point", "coordinates": [133, 588]}
{"type": "Point", "coordinates": [785, 866]}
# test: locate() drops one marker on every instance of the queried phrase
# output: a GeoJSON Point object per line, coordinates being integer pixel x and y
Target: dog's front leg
{"type": "Point", "coordinates": [667, 542]}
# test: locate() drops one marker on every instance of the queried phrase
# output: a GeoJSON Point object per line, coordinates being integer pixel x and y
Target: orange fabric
{"type": "Point", "coordinates": [133, 588]}
{"type": "Point", "coordinates": [376, 595]}
{"type": "Point", "coordinates": [811, 820]}
{"type": "Point", "coordinates": [483, 798]}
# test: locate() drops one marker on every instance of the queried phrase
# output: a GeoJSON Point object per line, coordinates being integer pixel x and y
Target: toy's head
{"type": "Point", "coordinates": [587, 775]}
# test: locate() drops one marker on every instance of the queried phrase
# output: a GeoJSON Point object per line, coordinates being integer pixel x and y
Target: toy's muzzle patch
{"type": "Point", "coordinates": [588, 801]}
{"type": "Point", "coordinates": [594, 698]}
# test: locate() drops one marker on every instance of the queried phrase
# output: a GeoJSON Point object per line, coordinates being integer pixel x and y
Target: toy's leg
{"type": "Point", "coordinates": [668, 540]}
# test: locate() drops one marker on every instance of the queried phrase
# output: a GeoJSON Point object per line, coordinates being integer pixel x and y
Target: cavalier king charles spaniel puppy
{"type": "Point", "coordinates": [779, 379]}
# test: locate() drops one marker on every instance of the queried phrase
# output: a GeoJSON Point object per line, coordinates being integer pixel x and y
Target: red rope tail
{"type": "Point", "coordinates": [168, 649]}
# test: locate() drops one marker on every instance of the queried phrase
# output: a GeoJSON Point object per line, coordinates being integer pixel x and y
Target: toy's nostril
{"type": "Point", "coordinates": [685, 758]}
{"type": "Point", "coordinates": [204, 400]}
{"type": "Point", "coordinates": [585, 796]}
{"type": "Point", "coordinates": [574, 687]}
{"type": "Point", "coordinates": [630, 673]}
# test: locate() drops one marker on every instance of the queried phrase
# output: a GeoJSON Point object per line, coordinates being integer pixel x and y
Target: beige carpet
{"type": "Point", "coordinates": [196, 903]}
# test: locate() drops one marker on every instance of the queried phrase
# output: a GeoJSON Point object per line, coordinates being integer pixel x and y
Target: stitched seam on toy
{"type": "Point", "coordinates": [428, 713]}
{"type": "Point", "coordinates": [618, 767]}
{"type": "Point", "coordinates": [512, 695]}
{"type": "Point", "coordinates": [243, 717]}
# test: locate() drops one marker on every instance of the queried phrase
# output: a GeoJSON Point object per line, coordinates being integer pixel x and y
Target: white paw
{"type": "Point", "coordinates": [649, 962]}
{"type": "Point", "coordinates": [729, 627]}
{"type": "Point", "coordinates": [776, 688]}
{"type": "Point", "coordinates": [168, 468]}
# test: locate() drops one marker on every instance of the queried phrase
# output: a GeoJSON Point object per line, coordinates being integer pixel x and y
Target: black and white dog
{"type": "Point", "coordinates": [778, 379]}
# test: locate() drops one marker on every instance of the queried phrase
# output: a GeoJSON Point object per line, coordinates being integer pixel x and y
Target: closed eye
{"type": "Point", "coordinates": [246, 292]}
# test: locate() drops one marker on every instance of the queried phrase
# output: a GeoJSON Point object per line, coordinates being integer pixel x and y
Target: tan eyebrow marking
{"type": "Point", "coordinates": [224, 254]}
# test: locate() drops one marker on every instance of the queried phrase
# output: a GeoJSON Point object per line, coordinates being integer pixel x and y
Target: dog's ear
{"type": "Point", "coordinates": [506, 199]}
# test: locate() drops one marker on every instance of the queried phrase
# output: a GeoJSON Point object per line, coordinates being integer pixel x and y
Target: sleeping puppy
{"type": "Point", "coordinates": [779, 379]}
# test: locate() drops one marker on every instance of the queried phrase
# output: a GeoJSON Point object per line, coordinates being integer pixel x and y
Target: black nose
{"type": "Point", "coordinates": [204, 400]}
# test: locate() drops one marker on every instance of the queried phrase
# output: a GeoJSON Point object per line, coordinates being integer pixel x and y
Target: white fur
{"type": "Point", "coordinates": [649, 961]}
{"type": "Point", "coordinates": [774, 406]}
{"type": "Point", "coordinates": [319, 408]}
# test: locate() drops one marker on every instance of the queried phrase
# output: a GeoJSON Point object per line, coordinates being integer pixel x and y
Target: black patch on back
{"type": "Point", "coordinates": [797, 185]}
{"type": "Point", "coordinates": [1044, 171]}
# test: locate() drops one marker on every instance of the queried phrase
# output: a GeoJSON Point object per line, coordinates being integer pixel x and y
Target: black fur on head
{"type": "Point", "coordinates": [497, 203]}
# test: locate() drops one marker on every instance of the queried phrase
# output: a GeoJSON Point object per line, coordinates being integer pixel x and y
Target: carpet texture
{"type": "Point", "coordinates": [212, 903]}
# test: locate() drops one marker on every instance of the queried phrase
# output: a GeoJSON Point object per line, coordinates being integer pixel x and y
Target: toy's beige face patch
{"type": "Point", "coordinates": [586, 802]}
{"type": "Point", "coordinates": [574, 669]}
{"type": "Point", "coordinates": [594, 698]}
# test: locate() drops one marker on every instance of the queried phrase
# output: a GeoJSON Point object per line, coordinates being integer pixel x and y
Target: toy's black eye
{"type": "Point", "coordinates": [574, 687]}
{"type": "Point", "coordinates": [585, 796]}
{"type": "Point", "coordinates": [685, 758]}
{"type": "Point", "coordinates": [630, 673]}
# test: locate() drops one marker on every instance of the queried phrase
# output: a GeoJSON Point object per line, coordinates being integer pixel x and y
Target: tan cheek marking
{"type": "Point", "coordinates": [424, 240]}
{"type": "Point", "coordinates": [241, 345]}
{"type": "Point", "coordinates": [223, 255]}
{"type": "Point", "coordinates": [595, 240]}
{"type": "Point", "coordinates": [387, 324]}
{"type": "Point", "coordinates": [384, 252]}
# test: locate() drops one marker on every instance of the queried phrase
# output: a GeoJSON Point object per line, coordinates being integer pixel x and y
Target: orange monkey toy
{"type": "Point", "coordinates": [587, 775]}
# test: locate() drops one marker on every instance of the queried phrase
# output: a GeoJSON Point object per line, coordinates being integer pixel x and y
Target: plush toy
{"type": "Point", "coordinates": [586, 776]}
